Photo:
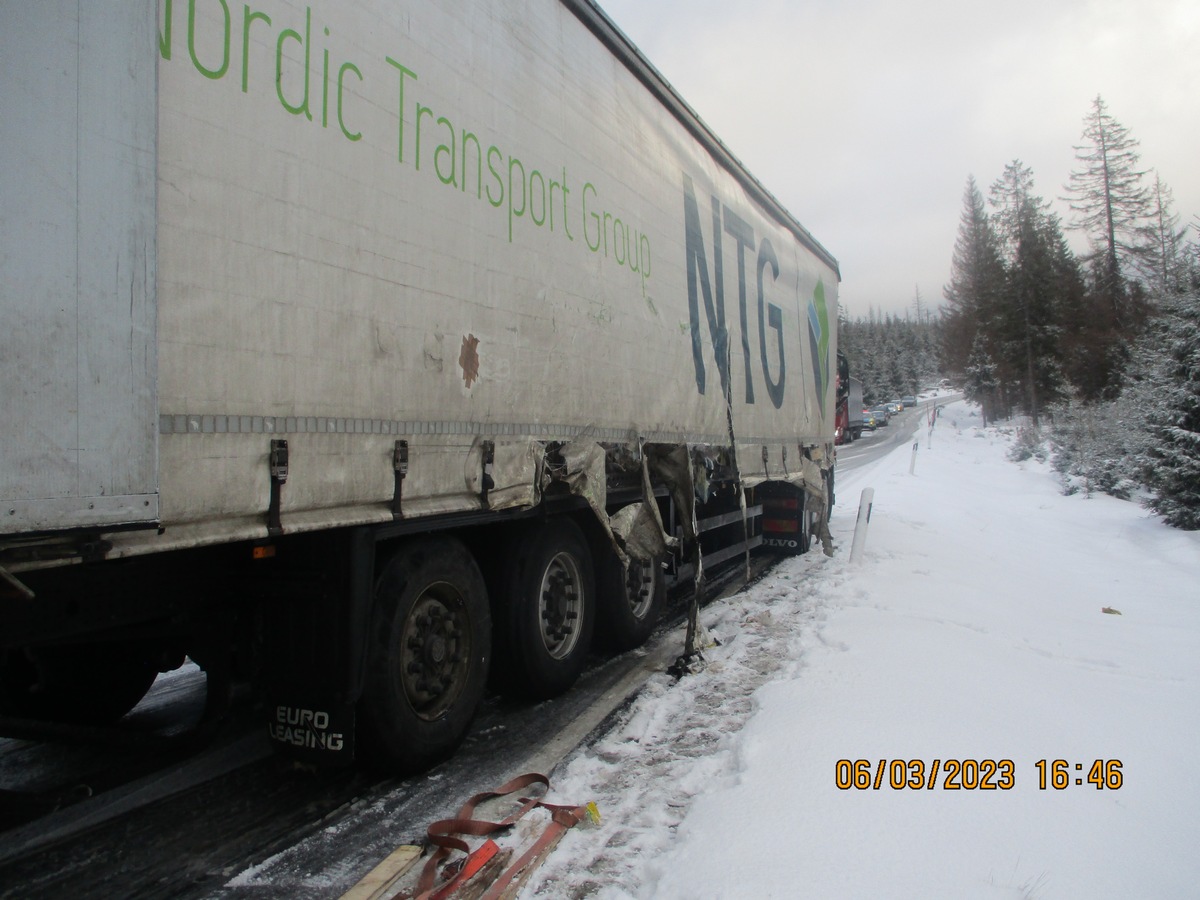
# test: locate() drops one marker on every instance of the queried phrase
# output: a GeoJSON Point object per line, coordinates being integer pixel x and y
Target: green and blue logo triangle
{"type": "Point", "coordinates": [818, 339]}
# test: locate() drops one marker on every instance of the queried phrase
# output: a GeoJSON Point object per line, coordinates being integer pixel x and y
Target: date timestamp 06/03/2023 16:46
{"type": "Point", "coordinates": [972, 774]}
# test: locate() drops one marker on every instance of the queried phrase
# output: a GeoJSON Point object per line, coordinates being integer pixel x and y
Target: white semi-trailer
{"type": "Point", "coordinates": [855, 407]}
{"type": "Point", "coordinates": [364, 348]}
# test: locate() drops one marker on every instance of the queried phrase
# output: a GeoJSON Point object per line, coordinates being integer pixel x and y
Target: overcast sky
{"type": "Point", "coordinates": [865, 117]}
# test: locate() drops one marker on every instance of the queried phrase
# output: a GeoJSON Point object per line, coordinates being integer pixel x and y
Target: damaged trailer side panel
{"type": "Point", "coordinates": [419, 270]}
{"type": "Point", "coordinates": [486, 231]}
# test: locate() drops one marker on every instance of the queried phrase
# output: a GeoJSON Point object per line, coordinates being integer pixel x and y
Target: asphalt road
{"type": "Point", "coordinates": [905, 428]}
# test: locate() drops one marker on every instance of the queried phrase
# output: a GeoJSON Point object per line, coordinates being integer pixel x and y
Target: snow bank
{"type": "Point", "coordinates": [972, 630]}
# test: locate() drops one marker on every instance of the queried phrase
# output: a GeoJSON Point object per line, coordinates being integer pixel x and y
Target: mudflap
{"type": "Point", "coordinates": [313, 641]}
{"type": "Point", "coordinates": [783, 517]}
{"type": "Point", "coordinates": [312, 729]}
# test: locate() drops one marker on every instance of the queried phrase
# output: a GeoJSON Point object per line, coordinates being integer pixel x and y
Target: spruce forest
{"type": "Point", "coordinates": [1098, 351]}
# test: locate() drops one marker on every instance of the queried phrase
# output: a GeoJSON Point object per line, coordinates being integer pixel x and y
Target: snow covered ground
{"type": "Point", "coordinates": [971, 630]}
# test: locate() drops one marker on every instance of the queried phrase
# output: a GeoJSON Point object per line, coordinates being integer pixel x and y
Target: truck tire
{"type": "Point", "coordinates": [428, 653]}
{"type": "Point", "coordinates": [548, 609]}
{"type": "Point", "coordinates": [628, 601]}
{"type": "Point", "coordinates": [81, 684]}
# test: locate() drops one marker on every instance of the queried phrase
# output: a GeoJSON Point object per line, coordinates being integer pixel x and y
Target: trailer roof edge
{"type": "Point", "coordinates": [607, 31]}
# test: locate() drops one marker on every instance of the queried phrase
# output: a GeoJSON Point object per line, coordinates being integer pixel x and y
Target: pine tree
{"type": "Point", "coordinates": [976, 278]}
{"type": "Point", "coordinates": [980, 383]}
{"type": "Point", "coordinates": [1094, 350]}
{"type": "Point", "coordinates": [1033, 287]}
{"type": "Point", "coordinates": [1015, 203]}
{"type": "Point", "coordinates": [1191, 256]}
{"type": "Point", "coordinates": [1026, 332]}
{"type": "Point", "coordinates": [1111, 205]}
{"type": "Point", "coordinates": [1163, 264]}
{"type": "Point", "coordinates": [1175, 425]}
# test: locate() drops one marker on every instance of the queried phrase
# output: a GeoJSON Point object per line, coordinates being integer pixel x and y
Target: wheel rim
{"type": "Point", "coordinates": [639, 586]}
{"type": "Point", "coordinates": [435, 650]}
{"type": "Point", "coordinates": [560, 605]}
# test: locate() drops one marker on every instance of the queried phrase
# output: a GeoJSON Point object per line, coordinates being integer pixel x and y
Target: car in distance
{"type": "Point", "coordinates": [882, 416]}
{"type": "Point", "coordinates": [908, 401]}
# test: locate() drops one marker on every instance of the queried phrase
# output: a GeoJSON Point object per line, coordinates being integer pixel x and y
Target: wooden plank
{"type": "Point", "coordinates": [384, 876]}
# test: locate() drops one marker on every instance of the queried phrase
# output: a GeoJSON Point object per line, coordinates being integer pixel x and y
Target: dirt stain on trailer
{"type": "Point", "coordinates": [433, 351]}
{"type": "Point", "coordinates": [468, 359]}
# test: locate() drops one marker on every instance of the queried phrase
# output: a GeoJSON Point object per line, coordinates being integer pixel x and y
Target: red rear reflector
{"type": "Point", "coordinates": [780, 503]}
{"type": "Point", "coordinates": [778, 525]}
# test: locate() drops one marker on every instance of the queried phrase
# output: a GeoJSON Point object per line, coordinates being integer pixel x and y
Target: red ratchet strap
{"type": "Point", "coordinates": [467, 869]}
{"type": "Point", "coordinates": [442, 835]}
{"type": "Point", "coordinates": [562, 819]}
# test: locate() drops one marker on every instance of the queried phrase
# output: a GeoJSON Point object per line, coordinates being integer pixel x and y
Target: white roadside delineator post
{"type": "Point", "coordinates": [912, 465]}
{"type": "Point", "coordinates": [860, 527]}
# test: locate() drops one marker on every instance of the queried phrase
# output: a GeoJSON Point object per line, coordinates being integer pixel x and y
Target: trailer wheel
{"type": "Point", "coordinates": [549, 609]}
{"type": "Point", "coordinates": [83, 684]}
{"type": "Point", "coordinates": [427, 655]}
{"type": "Point", "coordinates": [628, 601]}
